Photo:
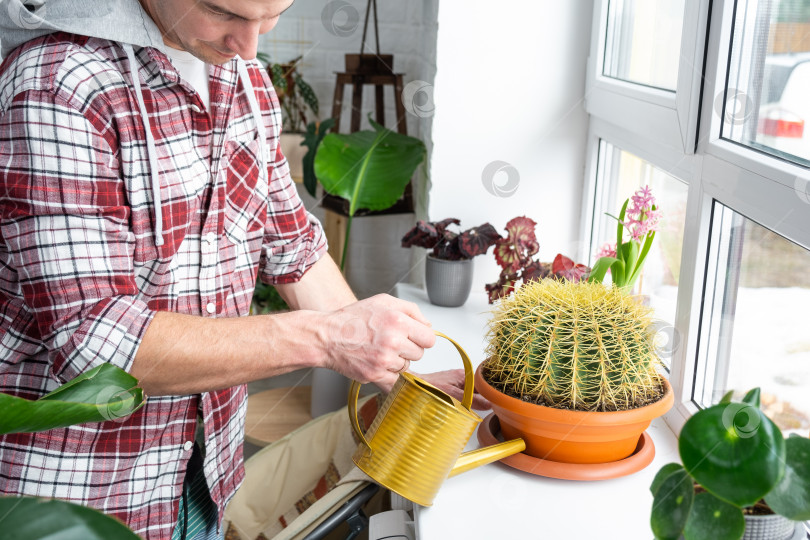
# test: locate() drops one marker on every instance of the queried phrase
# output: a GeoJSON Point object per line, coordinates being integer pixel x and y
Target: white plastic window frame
{"type": "Point", "coordinates": [661, 128]}
{"type": "Point", "coordinates": [663, 115]}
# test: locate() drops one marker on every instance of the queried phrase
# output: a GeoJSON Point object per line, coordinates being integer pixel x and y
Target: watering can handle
{"type": "Point", "coordinates": [466, 401]}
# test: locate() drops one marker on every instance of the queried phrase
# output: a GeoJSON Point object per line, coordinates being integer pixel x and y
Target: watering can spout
{"type": "Point", "coordinates": [475, 458]}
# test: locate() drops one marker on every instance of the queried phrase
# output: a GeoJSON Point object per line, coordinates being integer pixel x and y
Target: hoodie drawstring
{"type": "Point", "coordinates": [151, 151]}
{"type": "Point", "coordinates": [241, 67]}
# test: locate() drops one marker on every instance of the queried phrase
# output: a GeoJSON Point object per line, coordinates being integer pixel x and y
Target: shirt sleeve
{"type": "Point", "coordinates": [64, 220]}
{"type": "Point", "coordinates": [294, 239]}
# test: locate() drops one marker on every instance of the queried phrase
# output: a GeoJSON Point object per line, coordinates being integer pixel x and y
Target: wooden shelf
{"type": "Point", "coordinates": [274, 413]}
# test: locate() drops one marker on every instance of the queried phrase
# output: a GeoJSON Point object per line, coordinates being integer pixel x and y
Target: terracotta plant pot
{"type": "Point", "coordinates": [572, 436]}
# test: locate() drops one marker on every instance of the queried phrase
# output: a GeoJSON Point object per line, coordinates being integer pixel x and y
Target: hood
{"type": "Point", "coordinates": [123, 21]}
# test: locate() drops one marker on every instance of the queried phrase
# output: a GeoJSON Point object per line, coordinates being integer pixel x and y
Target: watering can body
{"type": "Point", "coordinates": [417, 438]}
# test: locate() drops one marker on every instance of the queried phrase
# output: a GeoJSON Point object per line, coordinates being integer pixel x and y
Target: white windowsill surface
{"type": "Point", "coordinates": [496, 501]}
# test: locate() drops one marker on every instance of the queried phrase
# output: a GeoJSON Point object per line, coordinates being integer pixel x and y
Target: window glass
{"type": "Point", "coordinates": [643, 41]}
{"type": "Point", "coordinates": [621, 173]}
{"type": "Point", "coordinates": [754, 327]}
{"type": "Point", "coordinates": [764, 105]}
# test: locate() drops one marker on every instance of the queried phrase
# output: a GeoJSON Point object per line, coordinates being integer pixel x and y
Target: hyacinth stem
{"type": "Point", "coordinates": [579, 346]}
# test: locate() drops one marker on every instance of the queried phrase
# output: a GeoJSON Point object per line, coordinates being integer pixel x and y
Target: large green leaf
{"type": "Point", "coordinates": [103, 393]}
{"type": "Point", "coordinates": [27, 518]}
{"type": "Point", "coordinates": [791, 496]}
{"type": "Point", "coordinates": [713, 519]}
{"type": "Point", "coordinates": [734, 451]}
{"type": "Point", "coordinates": [673, 492]}
{"type": "Point", "coordinates": [369, 168]}
{"type": "Point", "coordinates": [316, 131]}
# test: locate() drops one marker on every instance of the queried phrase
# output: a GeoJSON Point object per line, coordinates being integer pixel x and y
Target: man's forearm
{"type": "Point", "coordinates": [184, 354]}
{"type": "Point", "coordinates": [369, 341]}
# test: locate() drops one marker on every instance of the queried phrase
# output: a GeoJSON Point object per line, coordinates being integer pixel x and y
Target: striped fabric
{"type": "Point", "coordinates": [81, 275]}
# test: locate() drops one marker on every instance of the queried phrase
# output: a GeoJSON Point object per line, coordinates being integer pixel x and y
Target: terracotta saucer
{"type": "Point", "coordinates": [490, 429]}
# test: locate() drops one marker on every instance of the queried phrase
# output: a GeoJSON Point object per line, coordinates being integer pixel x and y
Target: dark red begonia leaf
{"type": "Point", "coordinates": [476, 241]}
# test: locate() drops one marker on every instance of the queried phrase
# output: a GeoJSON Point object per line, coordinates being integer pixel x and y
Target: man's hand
{"type": "Point", "coordinates": [375, 339]}
{"type": "Point", "coordinates": [452, 382]}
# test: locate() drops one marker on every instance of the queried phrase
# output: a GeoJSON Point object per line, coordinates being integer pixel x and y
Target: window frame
{"type": "Point", "coordinates": [679, 132]}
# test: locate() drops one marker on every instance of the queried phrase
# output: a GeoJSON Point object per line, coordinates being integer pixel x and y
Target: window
{"type": "Point", "coordinates": [644, 41]}
{"type": "Point", "coordinates": [755, 320]}
{"type": "Point", "coordinates": [698, 100]}
{"type": "Point", "coordinates": [624, 173]}
{"type": "Point", "coordinates": [766, 105]}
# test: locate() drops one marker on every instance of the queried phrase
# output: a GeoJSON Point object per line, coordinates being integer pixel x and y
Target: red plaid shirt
{"type": "Point", "coordinates": [81, 276]}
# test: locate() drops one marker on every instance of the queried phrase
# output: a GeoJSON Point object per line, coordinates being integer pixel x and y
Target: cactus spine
{"type": "Point", "coordinates": [579, 346]}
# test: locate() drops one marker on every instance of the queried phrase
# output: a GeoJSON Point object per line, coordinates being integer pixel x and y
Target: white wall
{"type": "Point", "coordinates": [324, 31]}
{"type": "Point", "coordinates": [510, 86]}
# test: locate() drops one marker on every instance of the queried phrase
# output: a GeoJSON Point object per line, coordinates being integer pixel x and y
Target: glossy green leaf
{"type": "Point", "coordinates": [103, 393]}
{"type": "Point", "coordinates": [369, 168]}
{"type": "Point", "coordinates": [791, 496]}
{"type": "Point", "coordinates": [662, 474]}
{"type": "Point", "coordinates": [713, 519]}
{"type": "Point", "coordinates": [600, 268]}
{"type": "Point", "coordinates": [27, 518]}
{"type": "Point", "coordinates": [312, 139]}
{"type": "Point", "coordinates": [752, 397]}
{"type": "Point", "coordinates": [734, 451]}
{"type": "Point", "coordinates": [727, 397]}
{"type": "Point", "coordinates": [672, 502]}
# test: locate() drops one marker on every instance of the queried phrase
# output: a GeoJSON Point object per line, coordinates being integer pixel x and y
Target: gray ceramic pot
{"type": "Point", "coordinates": [448, 282]}
{"type": "Point", "coordinates": [772, 527]}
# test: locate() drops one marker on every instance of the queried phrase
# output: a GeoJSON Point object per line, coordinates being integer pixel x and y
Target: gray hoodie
{"type": "Point", "coordinates": [123, 21]}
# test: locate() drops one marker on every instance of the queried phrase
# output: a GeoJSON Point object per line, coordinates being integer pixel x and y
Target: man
{"type": "Point", "coordinates": [142, 187]}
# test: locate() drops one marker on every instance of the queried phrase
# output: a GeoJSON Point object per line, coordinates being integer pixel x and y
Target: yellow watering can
{"type": "Point", "coordinates": [415, 442]}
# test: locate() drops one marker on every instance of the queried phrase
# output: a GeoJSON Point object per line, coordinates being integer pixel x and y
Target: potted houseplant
{"type": "Point", "coordinates": [515, 254]}
{"type": "Point", "coordinates": [625, 259]}
{"type": "Point", "coordinates": [299, 104]}
{"type": "Point", "coordinates": [103, 393]}
{"type": "Point", "coordinates": [370, 169]}
{"type": "Point", "coordinates": [449, 266]}
{"type": "Point", "coordinates": [572, 368]}
{"type": "Point", "coordinates": [736, 464]}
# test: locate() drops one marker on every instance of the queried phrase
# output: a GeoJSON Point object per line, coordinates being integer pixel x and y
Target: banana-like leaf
{"type": "Point", "coordinates": [312, 139]}
{"type": "Point", "coordinates": [28, 518]}
{"type": "Point", "coordinates": [368, 168]}
{"type": "Point", "coordinates": [103, 393]}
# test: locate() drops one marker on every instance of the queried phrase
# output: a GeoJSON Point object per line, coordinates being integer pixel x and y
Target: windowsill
{"type": "Point", "coordinates": [520, 504]}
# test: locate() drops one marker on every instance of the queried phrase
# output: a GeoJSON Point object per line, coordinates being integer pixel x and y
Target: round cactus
{"type": "Point", "coordinates": [579, 346]}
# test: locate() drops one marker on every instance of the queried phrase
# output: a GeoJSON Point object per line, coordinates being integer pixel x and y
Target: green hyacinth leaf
{"type": "Point", "coordinates": [103, 393]}
{"type": "Point", "coordinates": [734, 451]}
{"type": "Point", "coordinates": [672, 502]}
{"type": "Point", "coordinates": [791, 496]}
{"type": "Point", "coordinates": [28, 518]}
{"type": "Point", "coordinates": [369, 168]}
{"type": "Point", "coordinates": [712, 518]}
